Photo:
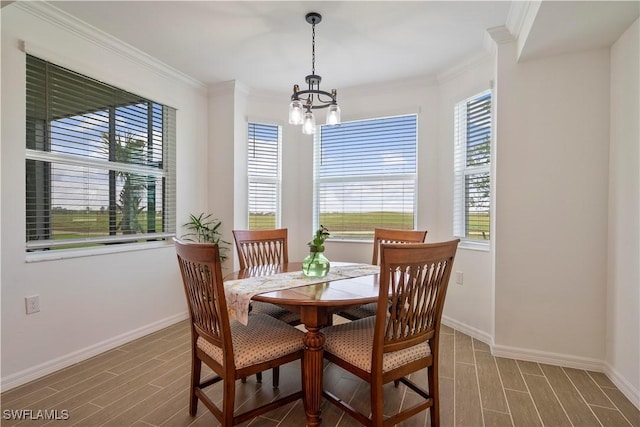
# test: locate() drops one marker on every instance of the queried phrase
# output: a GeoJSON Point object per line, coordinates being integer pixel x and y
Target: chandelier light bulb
{"type": "Point", "coordinates": [309, 124]}
{"type": "Point", "coordinates": [333, 115]}
{"type": "Point", "coordinates": [296, 112]}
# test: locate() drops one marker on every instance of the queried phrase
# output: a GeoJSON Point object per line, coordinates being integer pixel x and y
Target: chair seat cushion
{"type": "Point", "coordinates": [353, 343]}
{"type": "Point", "coordinates": [259, 307]}
{"type": "Point", "coordinates": [361, 311]}
{"type": "Point", "coordinates": [261, 340]}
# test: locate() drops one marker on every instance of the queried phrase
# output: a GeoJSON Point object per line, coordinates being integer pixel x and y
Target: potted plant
{"type": "Point", "coordinates": [316, 264]}
{"type": "Point", "coordinates": [205, 229]}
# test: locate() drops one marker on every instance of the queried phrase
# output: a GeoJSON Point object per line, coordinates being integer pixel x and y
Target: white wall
{"type": "Point", "coordinates": [468, 307]}
{"type": "Point", "coordinates": [623, 279]}
{"type": "Point", "coordinates": [552, 143]}
{"type": "Point", "coordinates": [227, 164]}
{"type": "Point", "coordinates": [88, 304]}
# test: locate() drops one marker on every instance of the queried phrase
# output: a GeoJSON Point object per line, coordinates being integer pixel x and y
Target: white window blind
{"type": "Point", "coordinates": [263, 163]}
{"type": "Point", "coordinates": [472, 168]}
{"type": "Point", "coordinates": [365, 176]}
{"type": "Point", "coordinates": [100, 162]}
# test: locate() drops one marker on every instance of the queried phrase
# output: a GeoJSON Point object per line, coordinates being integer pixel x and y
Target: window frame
{"type": "Point", "coordinates": [461, 171]}
{"type": "Point", "coordinates": [263, 179]}
{"type": "Point", "coordinates": [165, 175]}
{"type": "Point", "coordinates": [398, 177]}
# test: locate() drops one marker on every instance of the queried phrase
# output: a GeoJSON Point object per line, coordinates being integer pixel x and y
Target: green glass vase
{"type": "Point", "coordinates": [315, 264]}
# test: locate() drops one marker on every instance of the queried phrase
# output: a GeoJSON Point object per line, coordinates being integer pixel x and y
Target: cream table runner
{"type": "Point", "coordinates": [240, 291]}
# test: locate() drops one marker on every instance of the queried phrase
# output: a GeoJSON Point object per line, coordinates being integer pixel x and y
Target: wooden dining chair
{"type": "Point", "coordinates": [232, 350]}
{"type": "Point", "coordinates": [261, 247]}
{"type": "Point", "coordinates": [403, 337]}
{"type": "Point", "coordinates": [380, 236]}
{"type": "Point", "coordinates": [264, 248]}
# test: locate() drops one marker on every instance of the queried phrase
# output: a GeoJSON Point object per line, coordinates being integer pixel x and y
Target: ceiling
{"type": "Point", "coordinates": [564, 27]}
{"type": "Point", "coordinates": [267, 44]}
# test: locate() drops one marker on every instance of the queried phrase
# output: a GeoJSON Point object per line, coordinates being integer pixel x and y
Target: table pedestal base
{"type": "Point", "coordinates": [312, 378]}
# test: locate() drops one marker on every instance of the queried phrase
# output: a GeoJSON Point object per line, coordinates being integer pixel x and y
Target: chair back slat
{"type": "Point", "coordinates": [262, 253]}
{"type": "Point", "coordinates": [386, 235]}
{"type": "Point", "coordinates": [202, 278]}
{"type": "Point", "coordinates": [415, 278]}
{"type": "Point", "coordinates": [261, 247]}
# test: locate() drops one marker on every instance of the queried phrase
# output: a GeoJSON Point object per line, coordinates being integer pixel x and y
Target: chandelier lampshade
{"type": "Point", "coordinates": [333, 115]}
{"type": "Point", "coordinates": [296, 112]}
{"type": "Point", "coordinates": [309, 123]}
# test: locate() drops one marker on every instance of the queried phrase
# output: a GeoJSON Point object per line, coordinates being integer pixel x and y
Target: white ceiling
{"type": "Point", "coordinates": [267, 44]}
{"type": "Point", "coordinates": [564, 27]}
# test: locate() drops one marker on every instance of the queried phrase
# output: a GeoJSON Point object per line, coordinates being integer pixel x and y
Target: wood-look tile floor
{"type": "Point", "coordinates": [145, 383]}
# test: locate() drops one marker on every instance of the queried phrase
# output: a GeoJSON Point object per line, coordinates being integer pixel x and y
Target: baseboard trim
{"type": "Point", "coordinates": [33, 373]}
{"type": "Point", "coordinates": [527, 354]}
{"type": "Point", "coordinates": [631, 393]}
{"type": "Point", "coordinates": [548, 358]}
{"type": "Point", "coordinates": [469, 330]}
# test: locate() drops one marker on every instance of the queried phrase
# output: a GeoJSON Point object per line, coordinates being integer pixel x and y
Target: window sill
{"type": "Point", "coordinates": [368, 240]}
{"type": "Point", "coordinates": [473, 245]}
{"type": "Point", "coordinates": [96, 251]}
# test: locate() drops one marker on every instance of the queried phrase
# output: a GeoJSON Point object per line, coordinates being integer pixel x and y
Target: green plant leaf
{"type": "Point", "coordinates": [206, 229]}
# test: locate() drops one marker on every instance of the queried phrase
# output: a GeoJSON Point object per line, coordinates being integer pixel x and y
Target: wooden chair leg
{"type": "Point", "coordinates": [258, 378]}
{"type": "Point", "coordinates": [228, 401]}
{"type": "Point", "coordinates": [434, 411]}
{"type": "Point", "coordinates": [377, 405]}
{"type": "Point", "coordinates": [276, 377]}
{"type": "Point", "coordinates": [396, 383]}
{"type": "Point", "coordinates": [196, 369]}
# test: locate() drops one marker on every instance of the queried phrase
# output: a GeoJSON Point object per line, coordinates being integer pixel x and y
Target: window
{"type": "Point", "coordinates": [472, 164]}
{"type": "Point", "coordinates": [365, 176]}
{"type": "Point", "coordinates": [100, 162]}
{"type": "Point", "coordinates": [263, 158]}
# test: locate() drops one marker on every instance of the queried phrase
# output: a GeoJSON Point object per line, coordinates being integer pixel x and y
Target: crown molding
{"type": "Point", "coordinates": [500, 35]}
{"type": "Point", "coordinates": [223, 88]}
{"type": "Point", "coordinates": [521, 16]}
{"type": "Point", "coordinates": [463, 67]}
{"type": "Point", "coordinates": [270, 94]}
{"type": "Point", "coordinates": [228, 87]}
{"type": "Point", "coordinates": [242, 88]}
{"type": "Point", "coordinates": [390, 86]}
{"type": "Point", "coordinates": [45, 11]}
{"type": "Point", "coordinates": [516, 16]}
{"type": "Point", "coordinates": [495, 36]}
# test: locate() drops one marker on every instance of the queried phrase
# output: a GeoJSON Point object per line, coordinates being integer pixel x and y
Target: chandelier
{"type": "Point", "coordinates": [303, 102]}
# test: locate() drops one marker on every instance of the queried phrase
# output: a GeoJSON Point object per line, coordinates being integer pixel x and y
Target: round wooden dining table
{"type": "Point", "coordinates": [315, 304]}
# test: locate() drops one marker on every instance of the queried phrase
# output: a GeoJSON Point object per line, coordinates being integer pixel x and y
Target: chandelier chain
{"type": "Point", "coordinates": [313, 48]}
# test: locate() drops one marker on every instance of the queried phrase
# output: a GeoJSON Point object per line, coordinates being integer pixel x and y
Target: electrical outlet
{"type": "Point", "coordinates": [32, 303]}
{"type": "Point", "coordinates": [459, 277]}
